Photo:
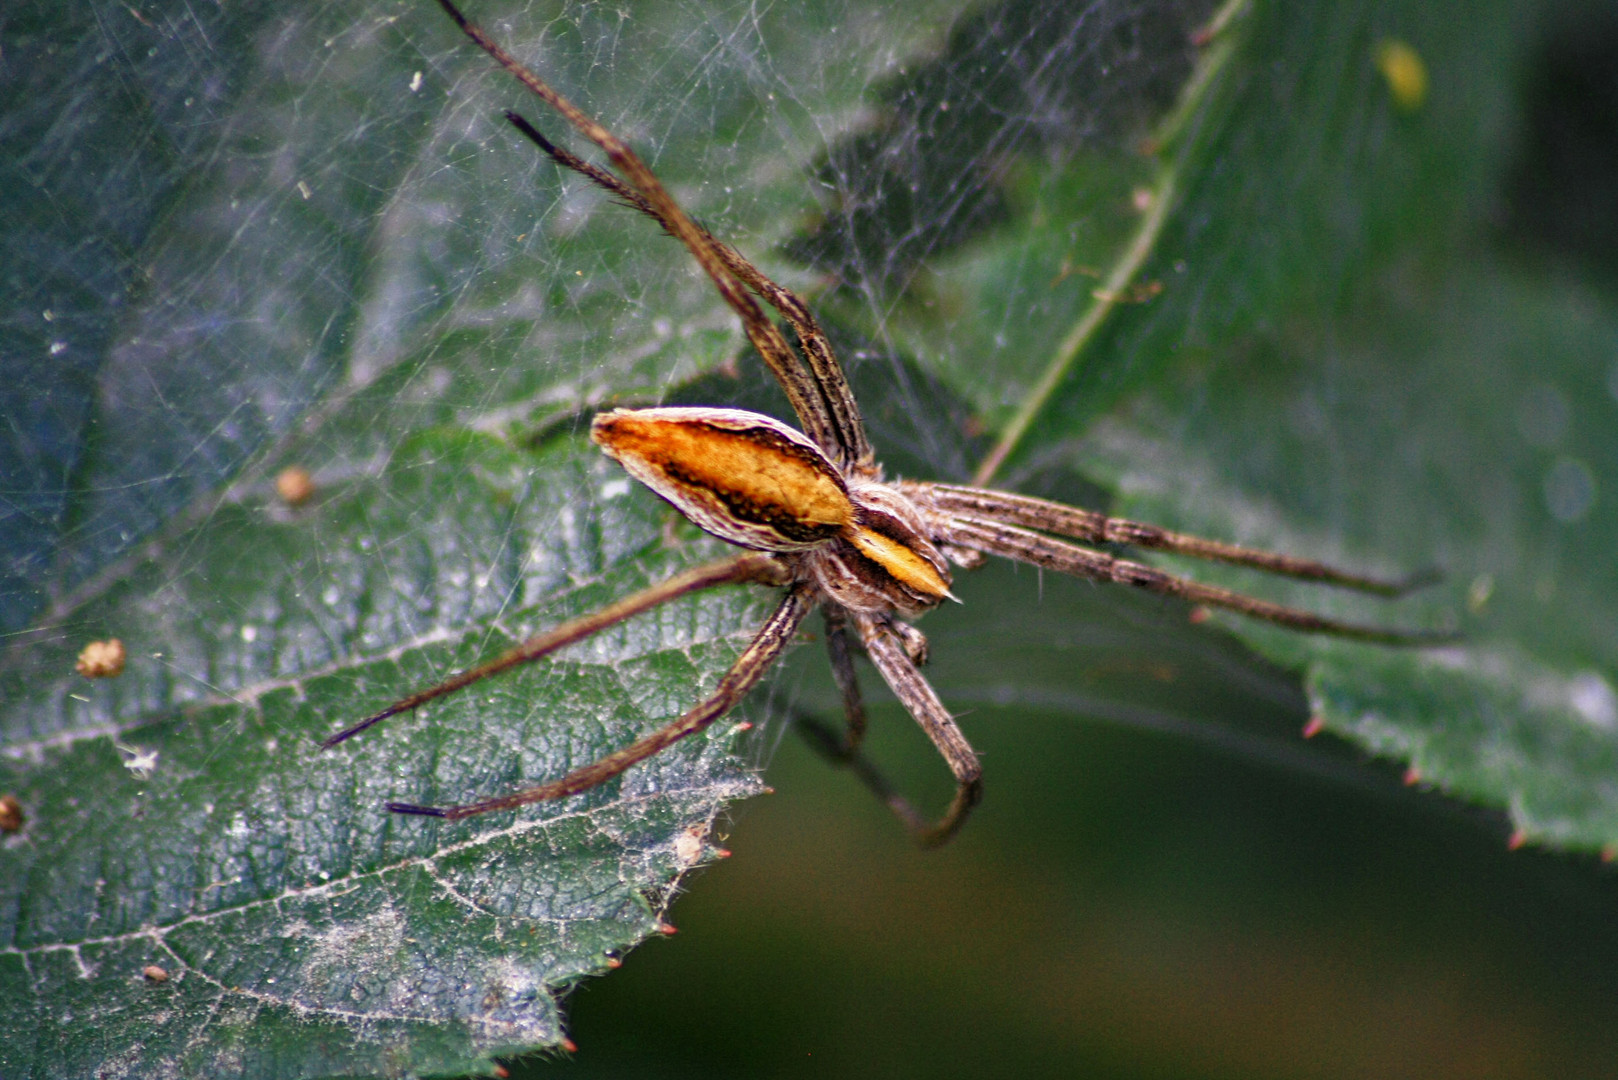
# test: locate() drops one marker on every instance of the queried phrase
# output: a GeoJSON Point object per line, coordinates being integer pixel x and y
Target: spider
{"type": "Point", "coordinates": [817, 519]}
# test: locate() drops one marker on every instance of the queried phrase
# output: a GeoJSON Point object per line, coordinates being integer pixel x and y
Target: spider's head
{"type": "Point", "coordinates": [885, 561]}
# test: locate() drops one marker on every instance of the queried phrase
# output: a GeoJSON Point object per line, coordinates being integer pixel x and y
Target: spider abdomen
{"type": "Point", "coordinates": [744, 477]}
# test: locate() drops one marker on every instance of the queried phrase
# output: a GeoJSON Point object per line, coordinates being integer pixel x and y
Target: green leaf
{"type": "Point", "coordinates": [1349, 359]}
{"type": "Point", "coordinates": [1428, 398]}
{"type": "Point", "coordinates": [303, 236]}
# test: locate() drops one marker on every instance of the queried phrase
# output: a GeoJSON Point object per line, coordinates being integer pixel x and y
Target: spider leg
{"type": "Point", "coordinates": [845, 750]}
{"type": "Point", "coordinates": [829, 380]}
{"type": "Point", "coordinates": [887, 652]}
{"type": "Point", "coordinates": [768, 644]}
{"type": "Point", "coordinates": [1036, 549]}
{"type": "Point", "coordinates": [842, 671]}
{"type": "Point", "coordinates": [826, 741]}
{"type": "Point", "coordinates": [751, 567]}
{"type": "Point", "coordinates": [1096, 528]}
{"type": "Point", "coordinates": [806, 396]}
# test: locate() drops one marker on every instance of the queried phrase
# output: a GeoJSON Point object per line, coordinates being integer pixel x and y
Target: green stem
{"type": "Point", "coordinates": [1116, 287]}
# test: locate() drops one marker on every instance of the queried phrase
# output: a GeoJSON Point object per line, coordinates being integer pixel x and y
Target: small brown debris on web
{"type": "Point", "coordinates": [11, 815]}
{"type": "Point", "coordinates": [101, 659]}
{"type": "Point", "coordinates": [294, 485]}
{"type": "Point", "coordinates": [689, 845]}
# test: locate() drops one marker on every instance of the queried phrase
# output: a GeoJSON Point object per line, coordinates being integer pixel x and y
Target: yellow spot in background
{"type": "Point", "coordinates": [1402, 66]}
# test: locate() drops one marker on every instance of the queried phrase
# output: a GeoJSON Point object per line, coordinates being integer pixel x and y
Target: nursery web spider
{"type": "Point", "coordinates": [819, 521]}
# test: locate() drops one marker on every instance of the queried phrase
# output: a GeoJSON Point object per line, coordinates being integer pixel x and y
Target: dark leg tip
{"type": "Point", "coordinates": [521, 124]}
{"type": "Point", "coordinates": [419, 811]}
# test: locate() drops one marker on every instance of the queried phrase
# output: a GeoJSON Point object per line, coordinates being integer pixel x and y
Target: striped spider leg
{"type": "Point", "coordinates": [816, 518]}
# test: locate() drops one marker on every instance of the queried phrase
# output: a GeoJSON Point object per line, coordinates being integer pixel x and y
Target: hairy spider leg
{"type": "Point", "coordinates": [1092, 527]}
{"type": "Point", "coordinates": [829, 381]}
{"type": "Point", "coordinates": [844, 749]}
{"type": "Point", "coordinates": [841, 438]}
{"type": "Point", "coordinates": [767, 645]}
{"type": "Point", "coordinates": [891, 657]}
{"type": "Point", "coordinates": [739, 569]}
{"type": "Point", "coordinates": [1024, 545]}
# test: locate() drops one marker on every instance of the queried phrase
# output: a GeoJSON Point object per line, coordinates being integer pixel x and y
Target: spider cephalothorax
{"type": "Point", "coordinates": [819, 521]}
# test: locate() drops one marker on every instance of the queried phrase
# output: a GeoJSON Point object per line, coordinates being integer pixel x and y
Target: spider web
{"type": "Point", "coordinates": [259, 236]}
{"type": "Point", "coordinates": [266, 236]}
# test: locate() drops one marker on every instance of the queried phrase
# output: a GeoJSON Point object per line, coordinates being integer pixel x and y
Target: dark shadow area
{"type": "Point", "coordinates": [1563, 192]}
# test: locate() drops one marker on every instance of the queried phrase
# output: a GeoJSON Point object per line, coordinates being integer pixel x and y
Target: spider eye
{"type": "Point", "coordinates": [742, 476]}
